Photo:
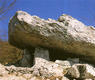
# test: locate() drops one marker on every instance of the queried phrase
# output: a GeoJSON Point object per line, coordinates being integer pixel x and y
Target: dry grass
{"type": "Point", "coordinates": [8, 53]}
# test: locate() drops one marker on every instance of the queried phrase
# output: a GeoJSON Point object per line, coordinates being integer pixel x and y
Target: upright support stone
{"type": "Point", "coordinates": [40, 53]}
{"type": "Point", "coordinates": [30, 57]}
{"type": "Point", "coordinates": [27, 60]}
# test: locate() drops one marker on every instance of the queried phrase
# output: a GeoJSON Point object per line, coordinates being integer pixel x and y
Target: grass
{"type": "Point", "coordinates": [9, 53]}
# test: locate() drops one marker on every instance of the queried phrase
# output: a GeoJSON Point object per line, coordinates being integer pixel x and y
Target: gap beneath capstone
{"type": "Point", "coordinates": [34, 55]}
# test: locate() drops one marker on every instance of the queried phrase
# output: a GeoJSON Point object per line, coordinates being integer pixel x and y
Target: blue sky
{"type": "Point", "coordinates": [83, 10]}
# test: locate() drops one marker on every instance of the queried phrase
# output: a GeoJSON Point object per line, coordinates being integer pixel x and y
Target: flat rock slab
{"type": "Point", "coordinates": [69, 34]}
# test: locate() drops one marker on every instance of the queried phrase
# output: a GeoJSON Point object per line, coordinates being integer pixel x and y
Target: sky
{"type": "Point", "coordinates": [83, 10]}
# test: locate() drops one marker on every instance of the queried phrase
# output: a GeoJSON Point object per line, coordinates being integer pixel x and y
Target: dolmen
{"type": "Point", "coordinates": [40, 38]}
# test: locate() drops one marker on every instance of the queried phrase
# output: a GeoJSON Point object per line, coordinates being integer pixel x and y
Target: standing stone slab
{"type": "Point", "coordinates": [27, 59]}
{"type": "Point", "coordinates": [40, 53]}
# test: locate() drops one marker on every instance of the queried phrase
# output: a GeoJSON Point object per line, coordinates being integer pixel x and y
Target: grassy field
{"type": "Point", "coordinates": [9, 53]}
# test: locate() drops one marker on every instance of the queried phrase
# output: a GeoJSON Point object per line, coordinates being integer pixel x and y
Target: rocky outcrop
{"type": "Point", "coordinates": [81, 71]}
{"type": "Point", "coordinates": [46, 70]}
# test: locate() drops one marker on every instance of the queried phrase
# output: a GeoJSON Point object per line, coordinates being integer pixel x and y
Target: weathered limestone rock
{"type": "Point", "coordinates": [86, 71]}
{"type": "Point", "coordinates": [45, 70]}
{"type": "Point", "coordinates": [73, 73]}
{"type": "Point", "coordinates": [63, 63]}
{"type": "Point", "coordinates": [48, 69]}
{"type": "Point", "coordinates": [66, 34]}
{"type": "Point", "coordinates": [64, 78]}
{"type": "Point", "coordinates": [81, 71]}
{"type": "Point", "coordinates": [68, 62]}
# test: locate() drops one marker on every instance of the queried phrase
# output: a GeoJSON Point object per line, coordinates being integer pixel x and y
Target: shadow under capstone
{"type": "Point", "coordinates": [29, 56]}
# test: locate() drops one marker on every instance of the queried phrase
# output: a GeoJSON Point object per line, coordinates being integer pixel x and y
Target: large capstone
{"type": "Point", "coordinates": [67, 34]}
